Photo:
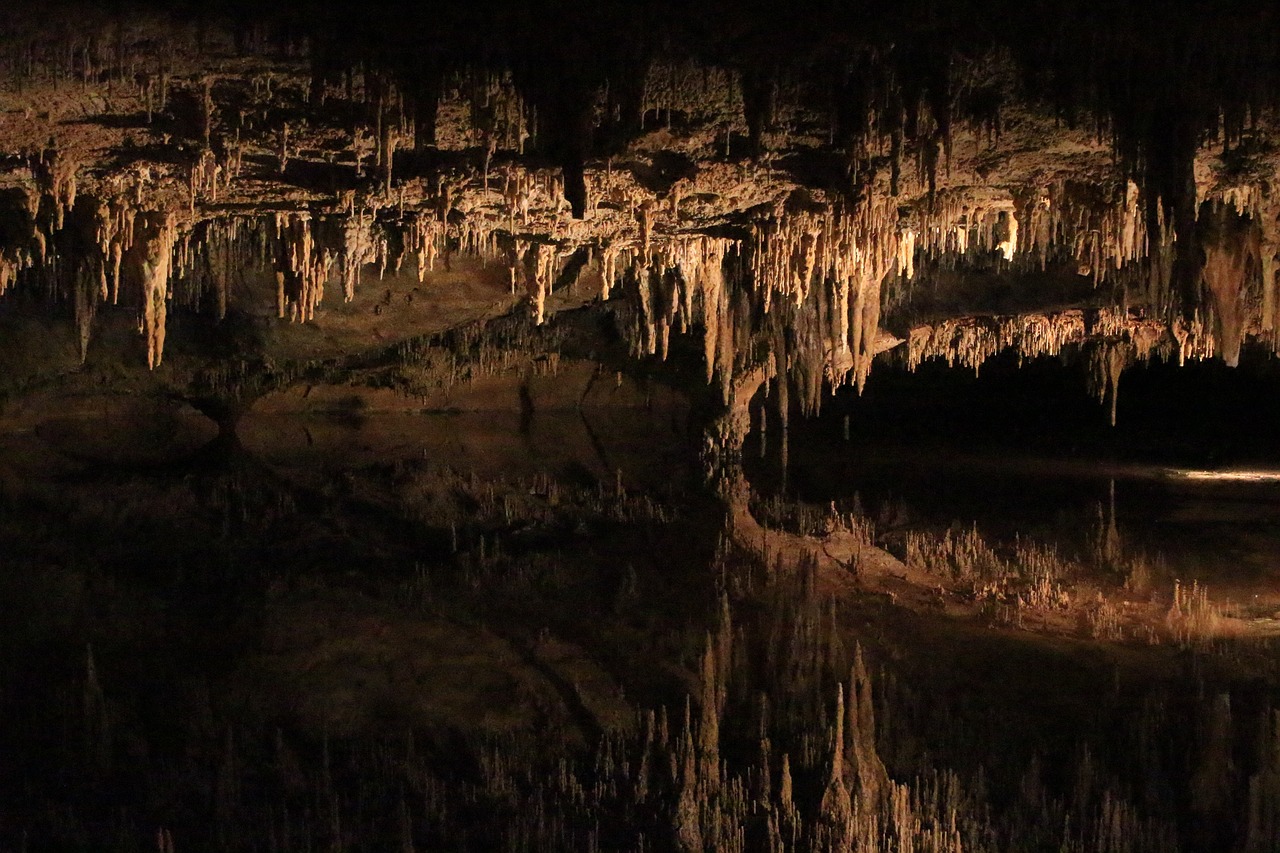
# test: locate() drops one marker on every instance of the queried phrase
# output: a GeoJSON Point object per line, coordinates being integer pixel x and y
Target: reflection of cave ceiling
{"type": "Point", "coordinates": [945, 185]}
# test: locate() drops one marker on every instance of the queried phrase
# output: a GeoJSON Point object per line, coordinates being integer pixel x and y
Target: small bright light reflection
{"type": "Point", "coordinates": [1230, 476]}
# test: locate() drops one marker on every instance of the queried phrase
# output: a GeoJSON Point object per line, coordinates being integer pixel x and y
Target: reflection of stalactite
{"type": "Point", "coordinates": [85, 303]}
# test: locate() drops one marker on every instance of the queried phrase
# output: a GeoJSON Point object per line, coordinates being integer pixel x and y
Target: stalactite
{"type": "Point", "coordinates": [358, 249]}
{"type": "Point", "coordinates": [1232, 250]}
{"type": "Point", "coordinates": [85, 304]}
{"type": "Point", "coordinates": [388, 136]}
{"type": "Point", "coordinates": [156, 235]}
{"type": "Point", "coordinates": [11, 263]}
{"type": "Point", "coordinates": [426, 238]}
{"type": "Point", "coordinates": [1107, 361]}
{"type": "Point", "coordinates": [304, 269]}
{"type": "Point", "coordinates": [115, 236]}
{"type": "Point", "coordinates": [206, 108]}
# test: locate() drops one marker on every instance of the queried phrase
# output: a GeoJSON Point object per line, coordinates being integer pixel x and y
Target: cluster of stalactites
{"type": "Point", "coordinates": [12, 262]}
{"type": "Point", "coordinates": [524, 191]}
{"type": "Point", "coordinates": [956, 224]}
{"type": "Point", "coordinates": [426, 238]}
{"type": "Point", "coordinates": [971, 341]}
{"type": "Point", "coordinates": [300, 282]}
{"type": "Point", "coordinates": [700, 261]}
{"type": "Point", "coordinates": [829, 266]}
{"type": "Point", "coordinates": [679, 283]}
{"type": "Point", "coordinates": [1268, 218]}
{"type": "Point", "coordinates": [115, 235]}
{"type": "Point", "coordinates": [359, 247]}
{"type": "Point", "coordinates": [1232, 236]}
{"type": "Point", "coordinates": [707, 93]}
{"type": "Point", "coordinates": [210, 255]}
{"type": "Point", "coordinates": [211, 174]}
{"type": "Point", "coordinates": [483, 109]}
{"type": "Point", "coordinates": [1102, 228]}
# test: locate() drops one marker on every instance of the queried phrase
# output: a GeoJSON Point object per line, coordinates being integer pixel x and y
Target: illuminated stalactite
{"type": "Point", "coordinates": [426, 238]}
{"type": "Point", "coordinates": [213, 254]}
{"type": "Point", "coordinates": [12, 262]}
{"type": "Point", "coordinates": [833, 261]}
{"type": "Point", "coordinates": [844, 255]}
{"type": "Point", "coordinates": [358, 249]}
{"type": "Point", "coordinates": [537, 267]}
{"type": "Point", "coordinates": [969, 342]}
{"type": "Point", "coordinates": [1107, 361]}
{"type": "Point", "coordinates": [115, 235]}
{"type": "Point", "coordinates": [156, 234]}
{"type": "Point", "coordinates": [300, 279]}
